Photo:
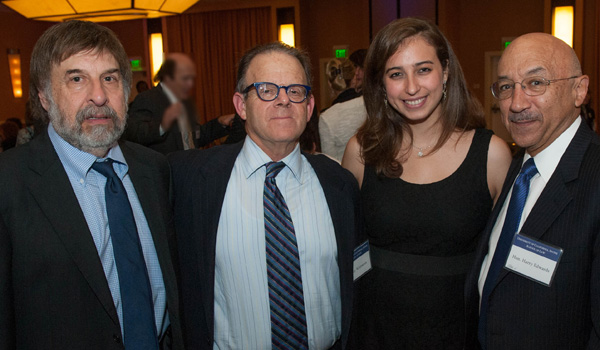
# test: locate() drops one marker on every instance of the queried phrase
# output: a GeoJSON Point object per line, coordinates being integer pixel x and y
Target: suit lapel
{"type": "Point", "coordinates": [513, 171]}
{"type": "Point", "coordinates": [333, 188]}
{"type": "Point", "coordinates": [555, 196]}
{"type": "Point", "coordinates": [339, 209]}
{"type": "Point", "coordinates": [210, 186]}
{"type": "Point", "coordinates": [147, 187]}
{"type": "Point", "coordinates": [53, 192]}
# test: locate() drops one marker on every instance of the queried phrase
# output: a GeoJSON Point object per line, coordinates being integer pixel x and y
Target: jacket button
{"type": "Point", "coordinates": [117, 338]}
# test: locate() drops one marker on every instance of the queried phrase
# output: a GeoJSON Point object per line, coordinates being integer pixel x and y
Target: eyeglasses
{"type": "Point", "coordinates": [532, 86]}
{"type": "Point", "coordinates": [268, 91]}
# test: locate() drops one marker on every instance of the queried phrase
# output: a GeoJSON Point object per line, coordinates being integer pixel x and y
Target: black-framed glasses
{"type": "Point", "coordinates": [269, 91]}
{"type": "Point", "coordinates": [532, 86]}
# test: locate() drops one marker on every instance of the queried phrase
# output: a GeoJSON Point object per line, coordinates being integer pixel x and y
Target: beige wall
{"type": "Point", "coordinates": [17, 33]}
{"type": "Point", "coordinates": [329, 23]}
{"type": "Point", "coordinates": [474, 27]}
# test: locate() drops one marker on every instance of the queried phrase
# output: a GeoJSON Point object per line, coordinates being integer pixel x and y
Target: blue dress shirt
{"type": "Point", "coordinates": [88, 186]}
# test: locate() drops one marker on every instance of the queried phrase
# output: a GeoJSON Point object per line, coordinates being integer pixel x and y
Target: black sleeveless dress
{"type": "Point", "coordinates": [422, 239]}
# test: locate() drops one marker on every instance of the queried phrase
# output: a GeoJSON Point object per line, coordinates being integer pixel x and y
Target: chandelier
{"type": "Point", "coordinates": [97, 10]}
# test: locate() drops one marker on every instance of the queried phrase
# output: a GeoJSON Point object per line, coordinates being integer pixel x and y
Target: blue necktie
{"type": "Point", "coordinates": [286, 300]}
{"type": "Point", "coordinates": [511, 224]}
{"type": "Point", "coordinates": [139, 329]}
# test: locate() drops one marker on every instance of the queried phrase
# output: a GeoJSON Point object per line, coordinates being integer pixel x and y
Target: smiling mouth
{"type": "Point", "coordinates": [97, 117]}
{"type": "Point", "coordinates": [415, 102]}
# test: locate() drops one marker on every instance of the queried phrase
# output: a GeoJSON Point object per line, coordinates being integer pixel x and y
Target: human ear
{"type": "Point", "coordinates": [580, 90]}
{"type": "Point", "coordinates": [240, 104]}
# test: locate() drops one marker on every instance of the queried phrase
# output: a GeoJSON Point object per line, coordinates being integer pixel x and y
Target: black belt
{"type": "Point", "coordinates": [421, 264]}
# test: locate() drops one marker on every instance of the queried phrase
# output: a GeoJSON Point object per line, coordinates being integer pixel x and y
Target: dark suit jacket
{"type": "Point", "coordinates": [523, 314]}
{"type": "Point", "coordinates": [53, 291]}
{"type": "Point", "coordinates": [200, 179]}
{"type": "Point", "coordinates": [145, 115]}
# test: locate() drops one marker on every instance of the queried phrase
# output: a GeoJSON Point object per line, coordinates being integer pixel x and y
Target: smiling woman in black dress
{"type": "Point", "coordinates": [429, 174]}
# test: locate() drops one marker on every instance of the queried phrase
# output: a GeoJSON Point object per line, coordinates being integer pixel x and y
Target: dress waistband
{"type": "Point", "coordinates": [421, 264]}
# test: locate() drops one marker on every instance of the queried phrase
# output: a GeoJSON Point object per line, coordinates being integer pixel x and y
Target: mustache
{"type": "Point", "coordinates": [522, 117]}
{"type": "Point", "coordinates": [90, 111]}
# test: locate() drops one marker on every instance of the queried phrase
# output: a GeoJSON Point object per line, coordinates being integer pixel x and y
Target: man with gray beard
{"type": "Point", "coordinates": [85, 221]}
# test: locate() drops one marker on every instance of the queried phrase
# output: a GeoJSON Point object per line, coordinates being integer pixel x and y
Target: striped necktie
{"type": "Point", "coordinates": [286, 300]}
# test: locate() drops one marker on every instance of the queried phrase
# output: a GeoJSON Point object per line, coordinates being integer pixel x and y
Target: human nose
{"type": "Point", "coordinates": [412, 85]}
{"type": "Point", "coordinates": [282, 96]}
{"type": "Point", "coordinates": [519, 99]}
{"type": "Point", "coordinates": [98, 94]}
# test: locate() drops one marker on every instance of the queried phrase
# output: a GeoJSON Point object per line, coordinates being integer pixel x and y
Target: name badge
{"type": "Point", "coordinates": [533, 259]}
{"type": "Point", "coordinates": [197, 132]}
{"type": "Point", "coordinates": [362, 260]}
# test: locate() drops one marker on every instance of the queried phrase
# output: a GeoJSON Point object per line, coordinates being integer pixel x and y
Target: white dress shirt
{"type": "Point", "coordinates": [546, 162]}
{"type": "Point", "coordinates": [182, 121]}
{"type": "Point", "coordinates": [242, 314]}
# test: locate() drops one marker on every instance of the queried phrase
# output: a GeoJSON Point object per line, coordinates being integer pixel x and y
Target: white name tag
{"type": "Point", "coordinates": [533, 259]}
{"type": "Point", "coordinates": [362, 260]}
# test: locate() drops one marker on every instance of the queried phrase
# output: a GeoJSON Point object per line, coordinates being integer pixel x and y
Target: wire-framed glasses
{"type": "Point", "coordinates": [269, 91]}
{"type": "Point", "coordinates": [532, 86]}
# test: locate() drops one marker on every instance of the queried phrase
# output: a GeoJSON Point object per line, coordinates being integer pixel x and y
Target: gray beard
{"type": "Point", "coordinates": [98, 138]}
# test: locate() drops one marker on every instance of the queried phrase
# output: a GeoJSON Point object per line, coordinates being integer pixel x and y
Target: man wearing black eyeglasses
{"type": "Point", "coordinates": [536, 279]}
{"type": "Point", "coordinates": [267, 233]}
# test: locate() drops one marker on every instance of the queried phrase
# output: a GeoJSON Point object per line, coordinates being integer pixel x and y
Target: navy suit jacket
{"type": "Point", "coordinates": [53, 291]}
{"type": "Point", "coordinates": [523, 314]}
{"type": "Point", "coordinates": [200, 180]}
{"type": "Point", "coordinates": [145, 115]}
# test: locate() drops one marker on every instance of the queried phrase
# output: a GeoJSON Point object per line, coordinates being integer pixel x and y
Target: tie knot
{"type": "Point", "coordinates": [529, 168]}
{"type": "Point", "coordinates": [273, 168]}
{"type": "Point", "coordinates": [105, 168]}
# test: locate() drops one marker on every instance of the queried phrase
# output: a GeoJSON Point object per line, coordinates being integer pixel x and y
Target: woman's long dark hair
{"type": "Point", "coordinates": [381, 136]}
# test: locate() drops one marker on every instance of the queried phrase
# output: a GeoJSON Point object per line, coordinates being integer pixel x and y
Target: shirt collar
{"type": "Point", "coordinates": [547, 160]}
{"type": "Point", "coordinates": [253, 158]}
{"type": "Point", "coordinates": [80, 162]}
{"type": "Point", "coordinates": [169, 93]}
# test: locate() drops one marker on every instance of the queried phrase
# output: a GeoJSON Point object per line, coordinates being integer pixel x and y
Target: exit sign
{"type": "Point", "coordinates": [340, 53]}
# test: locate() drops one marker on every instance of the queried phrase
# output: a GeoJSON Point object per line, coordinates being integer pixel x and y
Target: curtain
{"type": "Point", "coordinates": [216, 41]}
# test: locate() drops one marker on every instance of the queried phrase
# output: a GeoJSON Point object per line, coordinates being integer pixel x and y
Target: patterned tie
{"type": "Point", "coordinates": [511, 224]}
{"type": "Point", "coordinates": [186, 131]}
{"type": "Point", "coordinates": [139, 329]}
{"type": "Point", "coordinates": [286, 300]}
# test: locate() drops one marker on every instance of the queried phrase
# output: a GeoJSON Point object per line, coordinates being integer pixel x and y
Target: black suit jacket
{"type": "Point", "coordinates": [145, 115]}
{"type": "Point", "coordinates": [523, 314]}
{"type": "Point", "coordinates": [200, 179]}
{"type": "Point", "coordinates": [53, 291]}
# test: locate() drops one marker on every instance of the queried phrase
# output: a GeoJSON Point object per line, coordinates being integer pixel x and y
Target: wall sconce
{"type": "Point", "coordinates": [562, 23]}
{"type": "Point", "coordinates": [14, 65]}
{"type": "Point", "coordinates": [156, 54]}
{"type": "Point", "coordinates": [286, 34]}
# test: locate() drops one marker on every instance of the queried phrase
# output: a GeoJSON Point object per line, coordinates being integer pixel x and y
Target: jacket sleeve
{"type": "Point", "coordinates": [209, 132]}
{"type": "Point", "coordinates": [7, 312]}
{"type": "Point", "coordinates": [594, 341]}
{"type": "Point", "coordinates": [143, 125]}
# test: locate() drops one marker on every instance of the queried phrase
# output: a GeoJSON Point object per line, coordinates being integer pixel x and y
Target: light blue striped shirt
{"type": "Point", "coordinates": [88, 186]}
{"type": "Point", "coordinates": [242, 315]}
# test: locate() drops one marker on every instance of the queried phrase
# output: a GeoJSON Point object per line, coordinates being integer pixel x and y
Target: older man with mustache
{"type": "Point", "coordinates": [536, 281]}
{"type": "Point", "coordinates": [84, 220]}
